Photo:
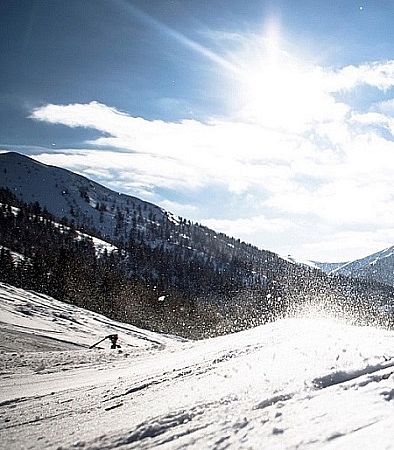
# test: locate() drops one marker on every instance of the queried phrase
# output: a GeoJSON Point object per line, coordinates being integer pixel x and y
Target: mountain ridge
{"type": "Point", "coordinates": [378, 266]}
{"type": "Point", "coordinates": [187, 264]}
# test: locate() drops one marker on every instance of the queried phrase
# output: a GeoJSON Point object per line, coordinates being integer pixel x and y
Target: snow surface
{"type": "Point", "coordinates": [40, 317]}
{"type": "Point", "coordinates": [295, 383]}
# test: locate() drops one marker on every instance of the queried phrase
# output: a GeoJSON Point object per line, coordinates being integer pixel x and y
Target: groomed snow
{"type": "Point", "coordinates": [296, 383]}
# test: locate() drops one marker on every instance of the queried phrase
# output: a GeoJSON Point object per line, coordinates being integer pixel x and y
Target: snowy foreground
{"type": "Point", "coordinates": [297, 383]}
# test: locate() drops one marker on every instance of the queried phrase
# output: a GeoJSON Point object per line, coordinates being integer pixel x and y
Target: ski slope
{"type": "Point", "coordinates": [295, 383]}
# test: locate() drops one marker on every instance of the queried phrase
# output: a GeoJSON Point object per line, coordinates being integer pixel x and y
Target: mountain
{"type": "Point", "coordinates": [295, 383]}
{"type": "Point", "coordinates": [123, 219]}
{"type": "Point", "coordinates": [163, 250]}
{"type": "Point", "coordinates": [66, 194]}
{"type": "Point", "coordinates": [39, 253]}
{"type": "Point", "coordinates": [324, 266]}
{"type": "Point", "coordinates": [155, 270]}
{"type": "Point", "coordinates": [301, 261]}
{"type": "Point", "coordinates": [376, 267]}
{"type": "Point", "coordinates": [327, 266]}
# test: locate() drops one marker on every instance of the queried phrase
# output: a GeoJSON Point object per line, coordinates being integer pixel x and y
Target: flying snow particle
{"type": "Point", "coordinates": [161, 298]}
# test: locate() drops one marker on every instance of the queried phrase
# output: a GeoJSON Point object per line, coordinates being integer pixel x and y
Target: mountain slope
{"type": "Point", "coordinates": [207, 282]}
{"type": "Point", "coordinates": [41, 254]}
{"type": "Point", "coordinates": [43, 323]}
{"type": "Point", "coordinates": [125, 220]}
{"type": "Point", "coordinates": [329, 267]}
{"type": "Point", "coordinates": [376, 267]}
{"type": "Point", "coordinates": [66, 194]}
{"type": "Point", "coordinates": [297, 383]}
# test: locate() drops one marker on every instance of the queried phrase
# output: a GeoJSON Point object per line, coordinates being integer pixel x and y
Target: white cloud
{"type": "Point", "coordinates": [312, 160]}
{"type": "Point", "coordinates": [180, 209]}
{"type": "Point", "coordinates": [354, 243]}
{"type": "Point", "coordinates": [249, 226]}
{"type": "Point", "coordinates": [187, 154]}
{"type": "Point", "coordinates": [376, 74]}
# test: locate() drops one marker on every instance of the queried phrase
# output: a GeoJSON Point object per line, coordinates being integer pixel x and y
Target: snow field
{"type": "Point", "coordinates": [295, 383]}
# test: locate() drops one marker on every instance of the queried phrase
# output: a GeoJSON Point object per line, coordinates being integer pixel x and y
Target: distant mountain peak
{"type": "Point", "coordinates": [378, 266]}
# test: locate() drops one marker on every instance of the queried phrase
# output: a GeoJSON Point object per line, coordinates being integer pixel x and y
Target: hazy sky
{"type": "Point", "coordinates": [271, 121]}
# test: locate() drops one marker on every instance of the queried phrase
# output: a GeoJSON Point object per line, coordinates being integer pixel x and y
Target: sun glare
{"type": "Point", "coordinates": [278, 90]}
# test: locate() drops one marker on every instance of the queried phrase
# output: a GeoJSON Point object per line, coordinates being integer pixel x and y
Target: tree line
{"type": "Point", "coordinates": [195, 285]}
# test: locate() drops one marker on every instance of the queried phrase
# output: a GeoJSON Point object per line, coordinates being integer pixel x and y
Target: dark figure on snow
{"type": "Point", "coordinates": [114, 339]}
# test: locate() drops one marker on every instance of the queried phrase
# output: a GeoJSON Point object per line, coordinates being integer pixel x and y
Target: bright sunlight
{"type": "Point", "coordinates": [279, 90]}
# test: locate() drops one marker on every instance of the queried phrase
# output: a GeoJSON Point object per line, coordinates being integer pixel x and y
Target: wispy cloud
{"type": "Point", "coordinates": [320, 161]}
{"type": "Point", "coordinates": [251, 226]}
{"type": "Point", "coordinates": [167, 31]}
{"type": "Point", "coordinates": [375, 74]}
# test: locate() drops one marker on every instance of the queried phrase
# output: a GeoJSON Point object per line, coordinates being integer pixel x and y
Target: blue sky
{"type": "Point", "coordinates": [272, 121]}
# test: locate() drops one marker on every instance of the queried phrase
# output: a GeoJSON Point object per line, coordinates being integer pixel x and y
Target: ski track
{"type": "Point", "coordinates": [293, 384]}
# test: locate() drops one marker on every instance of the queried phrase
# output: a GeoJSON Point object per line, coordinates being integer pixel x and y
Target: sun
{"type": "Point", "coordinates": [277, 89]}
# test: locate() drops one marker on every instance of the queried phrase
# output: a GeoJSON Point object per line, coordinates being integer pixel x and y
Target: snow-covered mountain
{"type": "Point", "coordinates": [376, 267]}
{"type": "Point", "coordinates": [100, 246]}
{"type": "Point", "coordinates": [329, 267]}
{"type": "Point", "coordinates": [297, 383]}
{"type": "Point", "coordinates": [67, 194]}
{"type": "Point", "coordinates": [302, 261]}
{"type": "Point", "coordinates": [123, 219]}
{"type": "Point", "coordinates": [324, 266]}
{"type": "Point", "coordinates": [210, 283]}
